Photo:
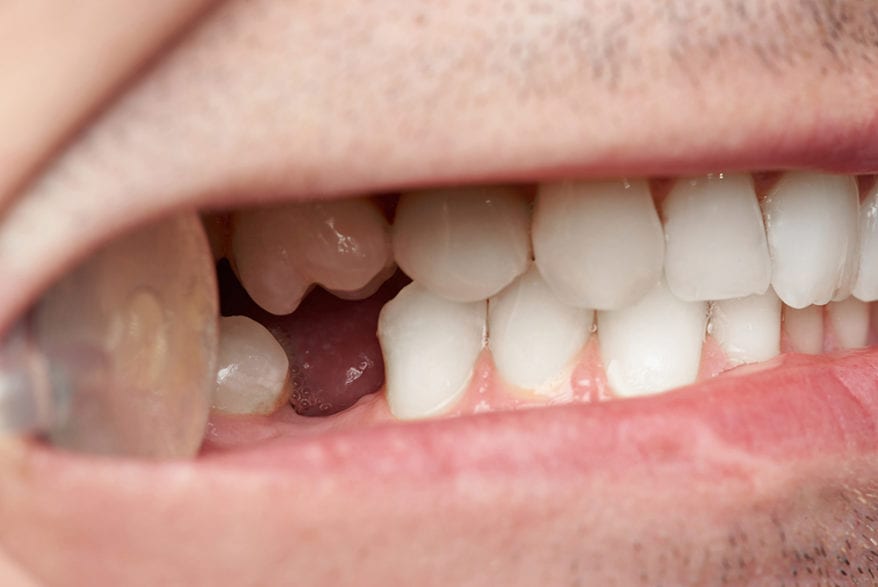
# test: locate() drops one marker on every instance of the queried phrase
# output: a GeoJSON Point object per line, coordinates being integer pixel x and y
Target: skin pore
{"type": "Point", "coordinates": [273, 100]}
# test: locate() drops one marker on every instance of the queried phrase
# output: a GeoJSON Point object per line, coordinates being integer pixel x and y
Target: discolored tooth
{"type": "Point", "coordinates": [811, 223]}
{"type": "Point", "coordinates": [598, 244]}
{"type": "Point", "coordinates": [343, 244]}
{"type": "Point", "coordinates": [804, 327]}
{"type": "Point", "coordinates": [747, 329]}
{"type": "Point", "coordinates": [850, 322]}
{"type": "Point", "coordinates": [715, 239]}
{"type": "Point", "coordinates": [463, 244]}
{"type": "Point", "coordinates": [533, 336]}
{"type": "Point", "coordinates": [130, 338]}
{"type": "Point", "coordinates": [265, 257]}
{"type": "Point", "coordinates": [866, 287]}
{"type": "Point", "coordinates": [652, 345]}
{"type": "Point", "coordinates": [430, 347]}
{"type": "Point", "coordinates": [252, 369]}
{"type": "Point", "coordinates": [279, 252]}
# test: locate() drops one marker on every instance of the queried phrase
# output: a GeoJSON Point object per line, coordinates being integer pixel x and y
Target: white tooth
{"type": "Point", "coordinates": [653, 345]}
{"type": "Point", "coordinates": [747, 329]}
{"type": "Point", "coordinates": [463, 244]}
{"type": "Point", "coordinates": [715, 239]}
{"type": "Point", "coordinates": [252, 369]}
{"type": "Point", "coordinates": [811, 221]}
{"type": "Point", "coordinates": [343, 244]}
{"type": "Point", "coordinates": [850, 322]}
{"type": "Point", "coordinates": [598, 244]}
{"type": "Point", "coordinates": [430, 347]}
{"type": "Point", "coordinates": [533, 336]}
{"type": "Point", "coordinates": [804, 327]}
{"type": "Point", "coordinates": [265, 254]}
{"type": "Point", "coordinates": [866, 287]}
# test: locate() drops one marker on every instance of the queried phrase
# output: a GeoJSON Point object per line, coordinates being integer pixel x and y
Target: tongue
{"type": "Point", "coordinates": [334, 355]}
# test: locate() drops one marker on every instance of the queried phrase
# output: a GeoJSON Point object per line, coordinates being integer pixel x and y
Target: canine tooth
{"type": "Point", "coordinates": [811, 221]}
{"type": "Point", "coordinates": [804, 327]}
{"type": "Point", "coordinates": [430, 347]}
{"type": "Point", "coordinates": [252, 369]}
{"type": "Point", "coordinates": [598, 244]}
{"type": "Point", "coordinates": [850, 322]}
{"type": "Point", "coordinates": [264, 255]}
{"type": "Point", "coordinates": [715, 239]}
{"type": "Point", "coordinates": [866, 287]}
{"type": "Point", "coordinates": [747, 329]}
{"type": "Point", "coordinates": [463, 244]}
{"type": "Point", "coordinates": [533, 336]}
{"type": "Point", "coordinates": [653, 345]}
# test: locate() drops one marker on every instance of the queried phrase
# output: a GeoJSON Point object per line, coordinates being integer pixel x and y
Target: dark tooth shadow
{"type": "Point", "coordinates": [332, 345]}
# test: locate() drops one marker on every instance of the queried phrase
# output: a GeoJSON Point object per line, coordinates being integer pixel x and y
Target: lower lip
{"type": "Point", "coordinates": [645, 462]}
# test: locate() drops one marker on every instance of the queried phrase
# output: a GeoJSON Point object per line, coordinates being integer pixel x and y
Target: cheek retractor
{"type": "Point", "coordinates": [119, 357]}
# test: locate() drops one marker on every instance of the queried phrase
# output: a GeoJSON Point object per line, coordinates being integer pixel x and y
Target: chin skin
{"type": "Point", "coordinates": [271, 100]}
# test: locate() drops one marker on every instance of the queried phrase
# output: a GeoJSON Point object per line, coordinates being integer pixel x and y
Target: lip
{"type": "Point", "coordinates": [804, 423]}
{"type": "Point", "coordinates": [748, 478]}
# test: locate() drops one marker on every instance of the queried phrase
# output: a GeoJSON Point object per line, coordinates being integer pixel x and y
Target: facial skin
{"type": "Point", "coordinates": [274, 100]}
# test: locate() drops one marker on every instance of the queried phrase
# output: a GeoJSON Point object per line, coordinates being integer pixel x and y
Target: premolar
{"type": "Point", "coordinates": [598, 244]}
{"type": "Point", "coordinates": [252, 369]}
{"type": "Point", "coordinates": [280, 252]}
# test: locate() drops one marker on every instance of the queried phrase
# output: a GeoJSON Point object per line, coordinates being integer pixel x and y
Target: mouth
{"type": "Point", "coordinates": [745, 456]}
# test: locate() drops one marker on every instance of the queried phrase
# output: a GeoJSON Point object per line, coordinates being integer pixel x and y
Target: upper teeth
{"type": "Point", "coordinates": [597, 245]}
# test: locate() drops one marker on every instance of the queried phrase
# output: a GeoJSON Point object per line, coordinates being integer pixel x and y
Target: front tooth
{"type": "Point", "coordinates": [866, 287]}
{"type": "Point", "coordinates": [533, 336]}
{"type": "Point", "coordinates": [715, 239]}
{"type": "Point", "coordinates": [463, 244]}
{"type": "Point", "coordinates": [265, 255]}
{"type": "Point", "coordinates": [430, 347]}
{"type": "Point", "coordinates": [252, 369]}
{"type": "Point", "coordinates": [598, 244]}
{"type": "Point", "coordinates": [804, 327]}
{"type": "Point", "coordinates": [811, 221]}
{"type": "Point", "coordinates": [653, 345]}
{"type": "Point", "coordinates": [850, 322]}
{"type": "Point", "coordinates": [747, 329]}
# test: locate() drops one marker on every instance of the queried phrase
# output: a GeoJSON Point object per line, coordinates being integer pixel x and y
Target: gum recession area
{"type": "Point", "coordinates": [747, 478]}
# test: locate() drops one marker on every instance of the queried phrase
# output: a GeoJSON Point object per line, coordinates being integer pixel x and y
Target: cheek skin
{"type": "Point", "coordinates": [59, 62]}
